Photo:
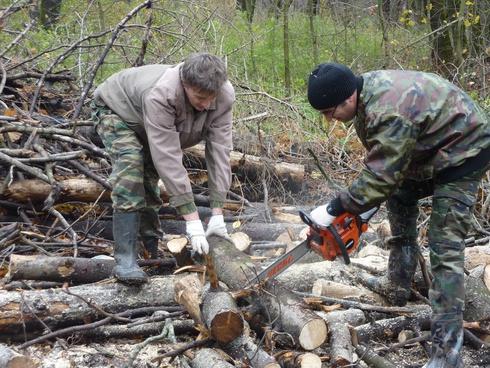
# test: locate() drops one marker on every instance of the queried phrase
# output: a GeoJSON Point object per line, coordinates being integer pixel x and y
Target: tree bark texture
{"type": "Point", "coordinates": [235, 269]}
{"type": "Point", "coordinates": [206, 358]}
{"type": "Point", "coordinates": [245, 349]}
{"type": "Point", "coordinates": [56, 308]}
{"type": "Point", "coordinates": [391, 327]}
{"type": "Point", "coordinates": [341, 349]}
{"type": "Point", "coordinates": [221, 316]}
{"type": "Point", "coordinates": [76, 270]}
{"type": "Point", "coordinates": [11, 359]}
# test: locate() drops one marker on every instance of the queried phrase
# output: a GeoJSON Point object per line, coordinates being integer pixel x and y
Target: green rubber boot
{"type": "Point", "coordinates": [125, 229]}
{"type": "Point", "coordinates": [402, 263]}
{"type": "Point", "coordinates": [150, 230]}
{"type": "Point", "coordinates": [447, 341]}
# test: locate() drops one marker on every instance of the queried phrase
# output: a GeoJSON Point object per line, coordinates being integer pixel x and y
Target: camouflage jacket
{"type": "Point", "coordinates": [414, 125]}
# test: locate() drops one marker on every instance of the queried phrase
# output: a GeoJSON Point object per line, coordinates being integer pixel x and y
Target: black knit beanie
{"type": "Point", "coordinates": [329, 85]}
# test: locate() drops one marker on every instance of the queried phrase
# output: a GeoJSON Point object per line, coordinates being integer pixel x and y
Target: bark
{"type": "Point", "coordinates": [79, 189]}
{"type": "Point", "coordinates": [188, 291]}
{"type": "Point", "coordinates": [235, 269]}
{"type": "Point", "coordinates": [11, 359]}
{"type": "Point", "coordinates": [373, 359]}
{"type": "Point", "coordinates": [291, 175]}
{"type": "Point", "coordinates": [334, 289]}
{"type": "Point", "coordinates": [477, 300]}
{"type": "Point", "coordinates": [36, 191]}
{"type": "Point", "coordinates": [61, 269]}
{"type": "Point", "coordinates": [245, 349]}
{"type": "Point", "coordinates": [206, 358]}
{"type": "Point", "coordinates": [301, 277]}
{"type": "Point", "coordinates": [390, 328]}
{"type": "Point", "coordinates": [293, 359]}
{"type": "Point", "coordinates": [221, 316]}
{"type": "Point", "coordinates": [104, 333]}
{"type": "Point", "coordinates": [180, 251]}
{"type": "Point", "coordinates": [57, 308]}
{"type": "Point", "coordinates": [341, 349]}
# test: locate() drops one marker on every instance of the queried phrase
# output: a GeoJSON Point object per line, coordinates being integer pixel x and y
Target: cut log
{"type": "Point", "coordinates": [477, 300]}
{"type": "Point", "coordinates": [182, 254]}
{"type": "Point", "coordinates": [11, 359]}
{"type": "Point", "coordinates": [241, 240]}
{"type": "Point", "coordinates": [55, 307]}
{"type": "Point", "coordinates": [391, 327]}
{"type": "Point", "coordinates": [373, 359]}
{"type": "Point", "coordinates": [334, 289]}
{"type": "Point", "coordinates": [302, 276]}
{"type": "Point", "coordinates": [221, 316]}
{"type": "Point", "coordinates": [287, 310]}
{"type": "Point", "coordinates": [104, 333]}
{"type": "Point", "coordinates": [81, 190]}
{"type": "Point", "coordinates": [256, 231]}
{"type": "Point", "coordinates": [341, 349]}
{"type": "Point", "coordinates": [291, 175]}
{"type": "Point", "coordinates": [77, 270]}
{"type": "Point", "coordinates": [188, 291]}
{"type": "Point", "coordinates": [61, 269]}
{"type": "Point", "coordinates": [206, 358]}
{"type": "Point", "coordinates": [475, 256]}
{"type": "Point", "coordinates": [294, 359]}
{"type": "Point", "coordinates": [36, 191]}
{"type": "Point", "coordinates": [245, 349]}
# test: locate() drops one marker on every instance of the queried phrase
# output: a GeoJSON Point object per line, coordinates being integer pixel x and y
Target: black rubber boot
{"type": "Point", "coordinates": [402, 263]}
{"type": "Point", "coordinates": [447, 341]}
{"type": "Point", "coordinates": [125, 228]}
{"type": "Point", "coordinates": [151, 246]}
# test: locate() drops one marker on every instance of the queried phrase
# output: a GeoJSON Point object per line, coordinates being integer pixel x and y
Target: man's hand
{"type": "Point", "coordinates": [217, 226]}
{"type": "Point", "coordinates": [195, 232]}
{"type": "Point", "coordinates": [321, 216]}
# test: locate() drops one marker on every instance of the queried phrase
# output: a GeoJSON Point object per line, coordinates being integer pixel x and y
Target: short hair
{"type": "Point", "coordinates": [204, 72]}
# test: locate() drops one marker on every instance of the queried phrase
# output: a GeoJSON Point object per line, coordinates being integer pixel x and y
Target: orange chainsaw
{"type": "Point", "coordinates": [339, 238]}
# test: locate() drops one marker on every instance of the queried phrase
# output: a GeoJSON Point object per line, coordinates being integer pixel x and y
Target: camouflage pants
{"type": "Point", "coordinates": [134, 178]}
{"type": "Point", "coordinates": [450, 221]}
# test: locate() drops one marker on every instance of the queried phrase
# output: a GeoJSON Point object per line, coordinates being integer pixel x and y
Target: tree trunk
{"type": "Point", "coordinates": [287, 310]}
{"type": "Point", "coordinates": [61, 269]}
{"type": "Point", "coordinates": [56, 308]}
{"type": "Point", "coordinates": [206, 358]}
{"type": "Point", "coordinates": [341, 349]}
{"type": "Point", "coordinates": [287, 66]}
{"type": "Point", "coordinates": [221, 316]}
{"type": "Point", "coordinates": [293, 359]}
{"type": "Point", "coordinates": [12, 359]}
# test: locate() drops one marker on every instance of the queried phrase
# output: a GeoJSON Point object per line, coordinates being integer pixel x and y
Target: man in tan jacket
{"type": "Point", "coordinates": [146, 116]}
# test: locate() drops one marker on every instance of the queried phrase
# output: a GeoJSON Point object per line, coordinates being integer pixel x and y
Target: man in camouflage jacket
{"type": "Point", "coordinates": [424, 137]}
{"type": "Point", "coordinates": [145, 117]}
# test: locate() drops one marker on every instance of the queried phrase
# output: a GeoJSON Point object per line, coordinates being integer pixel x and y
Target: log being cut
{"type": "Point", "coordinates": [287, 311]}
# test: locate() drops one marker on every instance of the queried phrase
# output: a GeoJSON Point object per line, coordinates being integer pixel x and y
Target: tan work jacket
{"type": "Point", "coordinates": [151, 99]}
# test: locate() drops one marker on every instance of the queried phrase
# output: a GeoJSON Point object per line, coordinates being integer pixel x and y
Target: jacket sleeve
{"type": "Point", "coordinates": [218, 146]}
{"type": "Point", "coordinates": [164, 141]}
{"type": "Point", "coordinates": [391, 141]}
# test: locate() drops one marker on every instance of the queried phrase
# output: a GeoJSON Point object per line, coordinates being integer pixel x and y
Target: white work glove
{"type": "Point", "coordinates": [217, 226]}
{"type": "Point", "coordinates": [195, 232]}
{"type": "Point", "coordinates": [321, 216]}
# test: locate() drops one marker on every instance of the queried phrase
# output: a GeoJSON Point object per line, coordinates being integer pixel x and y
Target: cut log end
{"type": "Point", "coordinates": [226, 326]}
{"type": "Point", "coordinates": [313, 334]}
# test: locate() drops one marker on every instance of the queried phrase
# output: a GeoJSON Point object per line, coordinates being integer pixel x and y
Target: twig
{"type": "Point", "coordinates": [362, 306]}
{"type": "Point", "coordinates": [115, 33]}
{"type": "Point", "coordinates": [72, 232]}
{"type": "Point", "coordinates": [167, 332]}
{"type": "Point", "coordinates": [178, 351]}
{"type": "Point", "coordinates": [89, 326]}
{"type": "Point", "coordinates": [17, 39]}
{"type": "Point", "coordinates": [320, 167]}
